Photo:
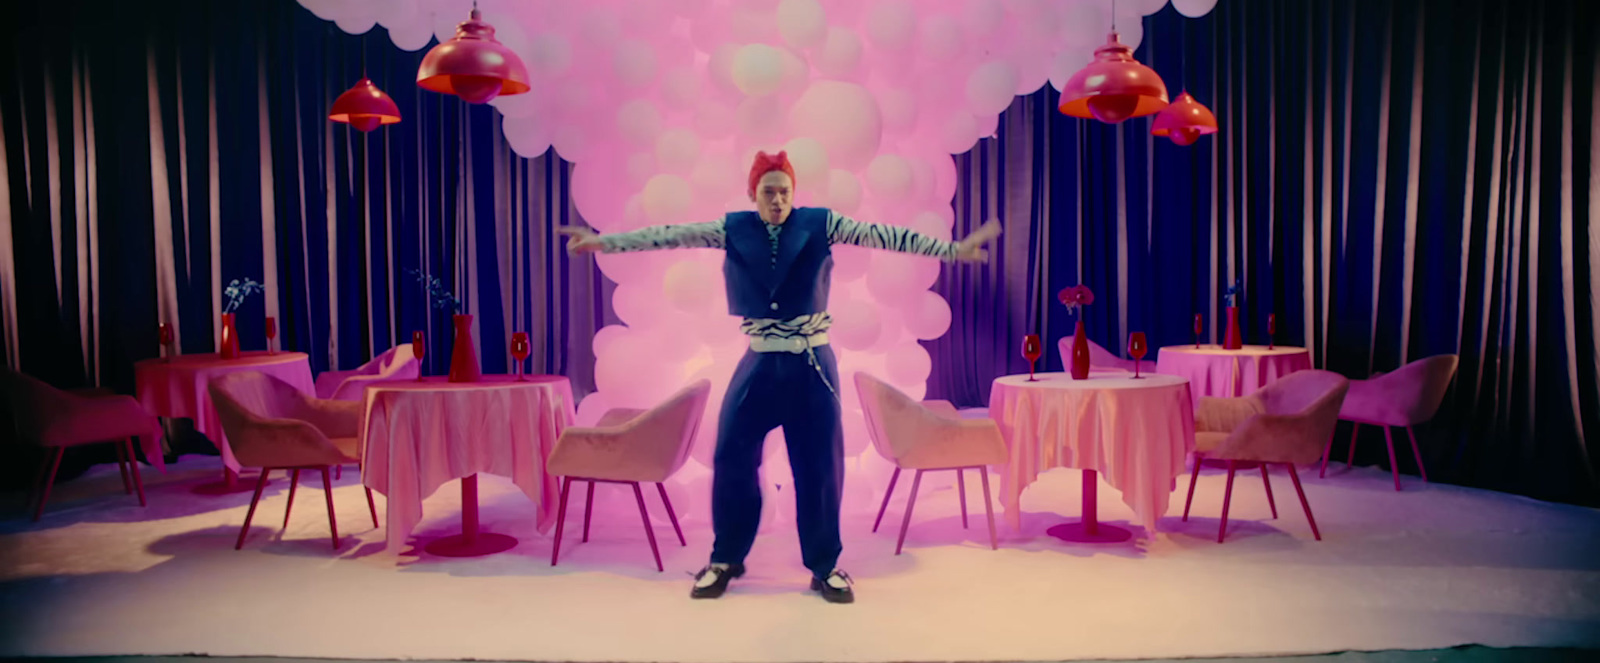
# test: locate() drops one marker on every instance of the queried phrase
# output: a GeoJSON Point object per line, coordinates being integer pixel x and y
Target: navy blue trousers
{"type": "Point", "coordinates": [769, 390]}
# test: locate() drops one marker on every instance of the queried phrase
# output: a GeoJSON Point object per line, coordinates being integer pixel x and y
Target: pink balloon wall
{"type": "Point", "coordinates": [662, 105]}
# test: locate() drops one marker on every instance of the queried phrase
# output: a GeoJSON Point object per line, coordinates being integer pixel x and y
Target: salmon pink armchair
{"type": "Point", "coordinates": [1098, 355]}
{"type": "Point", "coordinates": [1409, 396]}
{"type": "Point", "coordinates": [629, 447]}
{"type": "Point", "coordinates": [397, 363]}
{"type": "Point", "coordinates": [928, 437]}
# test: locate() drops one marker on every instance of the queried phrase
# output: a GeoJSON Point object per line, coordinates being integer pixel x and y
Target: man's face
{"type": "Point", "coordinates": [774, 197]}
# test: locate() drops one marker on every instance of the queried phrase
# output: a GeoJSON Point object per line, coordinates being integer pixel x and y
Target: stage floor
{"type": "Point", "coordinates": [1432, 567]}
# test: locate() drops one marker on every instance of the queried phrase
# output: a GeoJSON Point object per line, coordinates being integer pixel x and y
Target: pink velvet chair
{"type": "Point", "coordinates": [1098, 356]}
{"type": "Point", "coordinates": [272, 425]}
{"type": "Point", "coordinates": [1281, 423]}
{"type": "Point", "coordinates": [397, 363]}
{"type": "Point", "coordinates": [56, 419]}
{"type": "Point", "coordinates": [928, 437]}
{"type": "Point", "coordinates": [629, 447]}
{"type": "Point", "coordinates": [1409, 396]}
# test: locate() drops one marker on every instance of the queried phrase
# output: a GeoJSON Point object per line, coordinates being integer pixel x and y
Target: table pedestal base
{"type": "Point", "coordinates": [470, 542]}
{"type": "Point", "coordinates": [1081, 532]}
{"type": "Point", "coordinates": [1090, 529]}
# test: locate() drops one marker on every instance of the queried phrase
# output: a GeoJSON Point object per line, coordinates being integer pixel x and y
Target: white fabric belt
{"type": "Point", "coordinates": [794, 344]}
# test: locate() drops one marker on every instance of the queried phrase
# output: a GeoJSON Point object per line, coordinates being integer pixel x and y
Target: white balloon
{"type": "Point", "coordinates": [757, 69]}
{"type": "Point", "coordinates": [411, 35]}
{"type": "Point", "coordinates": [844, 117]}
{"type": "Point", "coordinates": [942, 39]}
{"type": "Point", "coordinates": [981, 18]}
{"type": "Point", "coordinates": [844, 191]}
{"type": "Point", "coordinates": [990, 87]}
{"type": "Point", "coordinates": [549, 54]}
{"type": "Point", "coordinates": [1084, 24]}
{"type": "Point", "coordinates": [899, 105]}
{"type": "Point", "coordinates": [666, 199]}
{"type": "Point", "coordinates": [1143, 7]}
{"type": "Point", "coordinates": [677, 150]}
{"type": "Point", "coordinates": [889, 177]}
{"type": "Point", "coordinates": [810, 161]}
{"type": "Point", "coordinates": [529, 137]}
{"type": "Point", "coordinates": [891, 25]}
{"type": "Point", "coordinates": [634, 63]}
{"type": "Point", "coordinates": [639, 122]}
{"type": "Point", "coordinates": [762, 119]}
{"type": "Point", "coordinates": [840, 54]}
{"type": "Point", "coordinates": [802, 23]}
{"type": "Point", "coordinates": [1194, 8]}
{"type": "Point", "coordinates": [689, 286]}
{"type": "Point", "coordinates": [927, 316]}
{"type": "Point", "coordinates": [959, 133]}
{"type": "Point", "coordinates": [680, 88]}
{"type": "Point", "coordinates": [357, 24]}
{"type": "Point", "coordinates": [909, 363]}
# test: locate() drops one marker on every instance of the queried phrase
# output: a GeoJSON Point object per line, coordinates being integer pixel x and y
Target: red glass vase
{"type": "Point", "coordinates": [464, 358]}
{"type": "Point", "coordinates": [229, 348]}
{"type": "Point", "coordinates": [1080, 353]}
{"type": "Point", "coordinates": [1232, 340]}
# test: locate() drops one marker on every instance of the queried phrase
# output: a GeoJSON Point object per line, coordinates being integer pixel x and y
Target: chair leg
{"type": "Point", "coordinates": [1350, 456]}
{"type": "Point", "coordinates": [47, 479]}
{"type": "Point", "coordinates": [916, 481]}
{"type": "Point", "coordinates": [588, 508]}
{"type": "Point", "coordinates": [248, 515]}
{"type": "Point", "coordinates": [671, 515]}
{"type": "Point", "coordinates": [327, 492]}
{"type": "Point", "coordinates": [338, 472]}
{"type": "Point", "coordinates": [1295, 476]}
{"type": "Point", "coordinates": [122, 466]}
{"type": "Point", "coordinates": [133, 468]}
{"type": "Point", "coordinates": [373, 508]}
{"type": "Point", "coordinates": [1394, 468]}
{"type": "Point", "coordinates": [1267, 483]}
{"type": "Point", "coordinates": [294, 481]}
{"type": "Point", "coordinates": [561, 520]}
{"type": "Point", "coordinates": [961, 486]}
{"type": "Point", "coordinates": [1327, 451]}
{"type": "Point", "coordinates": [649, 532]}
{"type": "Point", "coordinates": [988, 507]}
{"type": "Point", "coordinates": [886, 494]}
{"type": "Point", "coordinates": [1417, 454]}
{"type": "Point", "coordinates": [1194, 478]}
{"type": "Point", "coordinates": [1227, 496]}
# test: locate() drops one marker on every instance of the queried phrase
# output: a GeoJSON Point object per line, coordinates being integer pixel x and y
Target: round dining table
{"type": "Point", "coordinates": [176, 387]}
{"type": "Point", "coordinates": [1215, 371]}
{"type": "Point", "coordinates": [1135, 432]}
{"type": "Point", "coordinates": [418, 435]}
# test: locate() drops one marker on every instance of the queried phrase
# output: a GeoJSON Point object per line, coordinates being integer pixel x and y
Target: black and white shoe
{"type": "Point", "coordinates": [713, 580]}
{"type": "Point", "coordinates": [835, 588]}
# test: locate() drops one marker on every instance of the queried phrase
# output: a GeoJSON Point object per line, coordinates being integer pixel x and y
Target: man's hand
{"type": "Point", "coordinates": [971, 249]}
{"type": "Point", "coordinates": [581, 239]}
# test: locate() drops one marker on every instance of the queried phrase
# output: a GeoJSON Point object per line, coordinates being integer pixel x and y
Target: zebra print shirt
{"type": "Point", "coordinates": [841, 230]}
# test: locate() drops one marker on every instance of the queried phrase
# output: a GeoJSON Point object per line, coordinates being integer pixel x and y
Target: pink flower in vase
{"type": "Point", "coordinates": [1074, 296]}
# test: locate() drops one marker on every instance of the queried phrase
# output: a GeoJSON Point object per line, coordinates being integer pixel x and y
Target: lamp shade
{"type": "Point", "coordinates": [472, 65]}
{"type": "Point", "coordinates": [364, 107]}
{"type": "Point", "coordinates": [1114, 87]}
{"type": "Point", "coordinates": [1184, 121]}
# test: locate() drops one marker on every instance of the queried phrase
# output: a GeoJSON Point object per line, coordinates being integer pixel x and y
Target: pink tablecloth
{"type": "Point", "coordinates": [1135, 433]}
{"type": "Point", "coordinates": [178, 388]}
{"type": "Point", "coordinates": [416, 436]}
{"type": "Point", "coordinates": [1213, 371]}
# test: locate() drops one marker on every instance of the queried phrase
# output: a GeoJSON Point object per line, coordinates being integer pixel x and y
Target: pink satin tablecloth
{"type": "Point", "coordinates": [416, 436]}
{"type": "Point", "coordinates": [1135, 433]}
{"type": "Point", "coordinates": [178, 388]}
{"type": "Point", "coordinates": [1213, 371]}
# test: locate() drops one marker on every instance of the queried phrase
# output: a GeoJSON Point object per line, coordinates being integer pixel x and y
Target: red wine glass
{"type": "Point", "coordinates": [166, 339]}
{"type": "Point", "coordinates": [272, 333]}
{"type": "Point", "coordinates": [1197, 327]}
{"type": "Point", "coordinates": [519, 351]}
{"type": "Point", "coordinates": [1031, 350]}
{"type": "Point", "coordinates": [1272, 329]}
{"type": "Point", "coordinates": [419, 349]}
{"type": "Point", "coordinates": [1137, 349]}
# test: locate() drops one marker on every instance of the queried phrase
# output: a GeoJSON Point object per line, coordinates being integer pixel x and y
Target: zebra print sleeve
{"type": "Point", "coordinates": [845, 230]}
{"type": "Point", "coordinates": [708, 235]}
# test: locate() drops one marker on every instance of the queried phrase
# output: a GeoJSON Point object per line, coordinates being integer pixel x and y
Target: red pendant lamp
{"type": "Point", "coordinates": [472, 65]}
{"type": "Point", "coordinates": [1114, 87]}
{"type": "Point", "coordinates": [364, 107]}
{"type": "Point", "coordinates": [1184, 121]}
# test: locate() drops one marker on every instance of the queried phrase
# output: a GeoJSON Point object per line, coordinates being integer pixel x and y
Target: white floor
{"type": "Point", "coordinates": [1434, 566]}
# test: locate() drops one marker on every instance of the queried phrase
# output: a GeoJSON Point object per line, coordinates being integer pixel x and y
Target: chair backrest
{"type": "Point", "coordinates": [884, 407]}
{"type": "Point", "coordinates": [678, 420]}
{"type": "Point", "coordinates": [32, 401]}
{"type": "Point", "coordinates": [1417, 389]}
{"type": "Point", "coordinates": [245, 399]}
{"type": "Point", "coordinates": [1303, 407]}
{"type": "Point", "coordinates": [395, 360]}
{"type": "Point", "coordinates": [1098, 355]}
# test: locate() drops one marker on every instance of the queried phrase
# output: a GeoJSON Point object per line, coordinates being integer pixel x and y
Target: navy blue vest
{"type": "Point", "coordinates": [798, 284]}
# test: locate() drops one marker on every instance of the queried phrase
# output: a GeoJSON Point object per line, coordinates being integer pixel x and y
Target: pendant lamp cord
{"type": "Point", "coordinates": [1113, 15]}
